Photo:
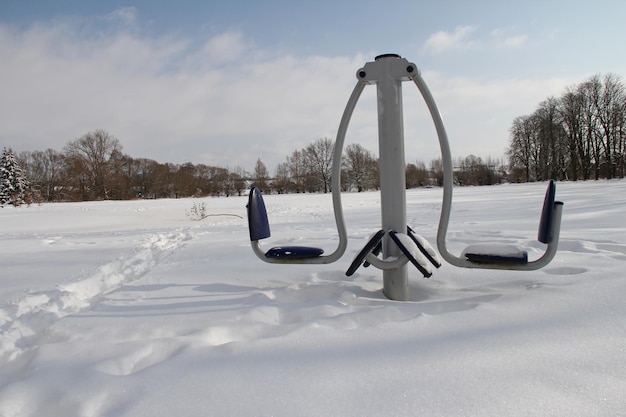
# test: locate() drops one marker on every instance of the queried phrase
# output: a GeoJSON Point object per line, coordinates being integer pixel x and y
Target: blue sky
{"type": "Point", "coordinates": [225, 83]}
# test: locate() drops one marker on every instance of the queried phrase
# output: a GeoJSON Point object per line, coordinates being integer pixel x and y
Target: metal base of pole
{"type": "Point", "coordinates": [396, 284]}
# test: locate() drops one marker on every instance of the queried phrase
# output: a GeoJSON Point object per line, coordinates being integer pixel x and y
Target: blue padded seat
{"type": "Point", "coordinates": [258, 223]}
{"type": "Point", "coordinates": [294, 252]}
{"type": "Point", "coordinates": [547, 214]}
{"type": "Point", "coordinates": [511, 254]}
{"type": "Point", "coordinates": [259, 228]}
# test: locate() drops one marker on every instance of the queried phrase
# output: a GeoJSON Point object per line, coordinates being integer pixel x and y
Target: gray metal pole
{"type": "Point", "coordinates": [388, 72]}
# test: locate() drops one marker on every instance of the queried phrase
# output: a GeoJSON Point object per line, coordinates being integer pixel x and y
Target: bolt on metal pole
{"type": "Point", "coordinates": [388, 72]}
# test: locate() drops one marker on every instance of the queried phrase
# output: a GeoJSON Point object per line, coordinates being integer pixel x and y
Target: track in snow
{"type": "Point", "coordinates": [21, 322]}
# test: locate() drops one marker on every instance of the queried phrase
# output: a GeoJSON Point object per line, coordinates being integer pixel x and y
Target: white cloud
{"type": "Point", "coordinates": [478, 113]}
{"type": "Point", "coordinates": [503, 38]}
{"type": "Point", "coordinates": [461, 38]}
{"type": "Point", "coordinates": [225, 101]}
{"type": "Point", "coordinates": [125, 15]}
{"type": "Point", "coordinates": [225, 47]}
{"type": "Point", "coordinates": [221, 103]}
{"type": "Point", "coordinates": [442, 41]}
{"type": "Point", "coordinates": [221, 49]}
{"type": "Point", "coordinates": [515, 41]}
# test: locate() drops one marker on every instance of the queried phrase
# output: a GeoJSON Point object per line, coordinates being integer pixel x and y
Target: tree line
{"type": "Point", "coordinates": [580, 135]}
{"type": "Point", "coordinates": [93, 167]}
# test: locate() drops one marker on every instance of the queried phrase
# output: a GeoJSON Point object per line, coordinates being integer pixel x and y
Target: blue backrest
{"type": "Point", "coordinates": [547, 215]}
{"type": "Point", "coordinates": [257, 216]}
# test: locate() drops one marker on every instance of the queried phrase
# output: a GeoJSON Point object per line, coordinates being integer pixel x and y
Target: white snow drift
{"type": "Point", "coordinates": [132, 309]}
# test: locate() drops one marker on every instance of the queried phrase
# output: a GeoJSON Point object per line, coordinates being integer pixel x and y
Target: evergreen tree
{"type": "Point", "coordinates": [13, 183]}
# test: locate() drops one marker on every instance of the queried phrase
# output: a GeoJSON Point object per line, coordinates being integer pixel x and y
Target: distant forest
{"type": "Point", "coordinates": [579, 136]}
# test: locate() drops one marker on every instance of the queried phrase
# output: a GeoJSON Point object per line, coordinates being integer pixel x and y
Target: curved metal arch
{"type": "Point", "coordinates": [446, 206]}
{"type": "Point", "coordinates": [336, 193]}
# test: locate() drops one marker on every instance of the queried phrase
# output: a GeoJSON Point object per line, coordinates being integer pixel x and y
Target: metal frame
{"type": "Point", "coordinates": [388, 72]}
{"type": "Point", "coordinates": [446, 206]}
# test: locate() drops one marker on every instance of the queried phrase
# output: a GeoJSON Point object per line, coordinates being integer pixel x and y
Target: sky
{"type": "Point", "coordinates": [227, 83]}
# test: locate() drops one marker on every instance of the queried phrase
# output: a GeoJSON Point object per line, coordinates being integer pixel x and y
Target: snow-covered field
{"type": "Point", "coordinates": [132, 309]}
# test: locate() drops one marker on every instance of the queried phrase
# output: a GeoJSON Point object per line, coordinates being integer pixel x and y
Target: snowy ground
{"type": "Point", "coordinates": [133, 309]}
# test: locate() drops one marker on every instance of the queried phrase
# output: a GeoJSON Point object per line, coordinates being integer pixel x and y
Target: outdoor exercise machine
{"type": "Point", "coordinates": [398, 243]}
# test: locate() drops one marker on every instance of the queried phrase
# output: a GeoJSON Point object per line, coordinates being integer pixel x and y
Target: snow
{"type": "Point", "coordinates": [495, 251]}
{"type": "Point", "coordinates": [132, 309]}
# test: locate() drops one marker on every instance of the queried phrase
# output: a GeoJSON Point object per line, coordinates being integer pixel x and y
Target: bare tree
{"type": "Point", "coordinates": [125, 170]}
{"type": "Point", "coordinates": [219, 181]}
{"type": "Point", "coordinates": [45, 171]}
{"type": "Point", "coordinates": [261, 175]}
{"type": "Point", "coordinates": [522, 146]}
{"type": "Point", "coordinates": [436, 171]}
{"type": "Point", "coordinates": [551, 140]}
{"type": "Point", "coordinates": [152, 179]}
{"type": "Point", "coordinates": [588, 148]}
{"type": "Point", "coordinates": [608, 101]}
{"type": "Point", "coordinates": [319, 159]}
{"type": "Point", "coordinates": [282, 179]}
{"type": "Point", "coordinates": [571, 115]}
{"type": "Point", "coordinates": [237, 179]}
{"type": "Point", "coordinates": [416, 175]}
{"type": "Point", "coordinates": [185, 180]}
{"type": "Point", "coordinates": [361, 167]}
{"type": "Point", "coordinates": [297, 169]}
{"type": "Point", "coordinates": [90, 162]}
